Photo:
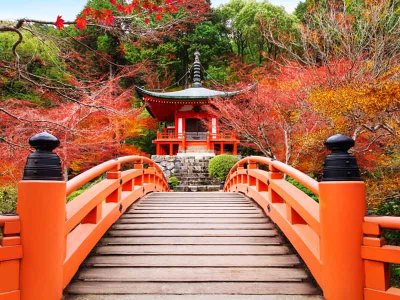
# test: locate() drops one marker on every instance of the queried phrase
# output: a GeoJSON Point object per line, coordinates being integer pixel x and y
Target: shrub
{"type": "Point", "coordinates": [173, 182]}
{"type": "Point", "coordinates": [391, 207]}
{"type": "Point", "coordinates": [220, 166]}
{"type": "Point", "coordinates": [302, 188]}
{"type": "Point", "coordinates": [8, 199]}
{"type": "Point", "coordinates": [388, 208]}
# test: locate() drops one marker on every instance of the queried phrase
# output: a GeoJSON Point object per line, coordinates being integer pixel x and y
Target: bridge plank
{"type": "Point", "coordinates": [193, 249]}
{"type": "Point", "coordinates": [193, 232]}
{"type": "Point", "coordinates": [205, 288]}
{"type": "Point", "coordinates": [195, 297]}
{"type": "Point", "coordinates": [188, 240]}
{"type": "Point", "coordinates": [193, 205]}
{"type": "Point", "coordinates": [194, 215]}
{"type": "Point", "coordinates": [193, 261]}
{"type": "Point", "coordinates": [204, 244]}
{"type": "Point", "coordinates": [192, 275]}
{"type": "Point", "coordinates": [193, 220]}
{"type": "Point", "coordinates": [193, 211]}
{"type": "Point", "coordinates": [225, 226]}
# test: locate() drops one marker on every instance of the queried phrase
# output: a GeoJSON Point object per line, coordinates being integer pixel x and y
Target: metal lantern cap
{"type": "Point", "coordinates": [43, 164]}
{"type": "Point", "coordinates": [340, 165]}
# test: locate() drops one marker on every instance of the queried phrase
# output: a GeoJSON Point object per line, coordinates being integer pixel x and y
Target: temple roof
{"type": "Point", "coordinates": [196, 92]}
{"type": "Point", "coordinates": [188, 94]}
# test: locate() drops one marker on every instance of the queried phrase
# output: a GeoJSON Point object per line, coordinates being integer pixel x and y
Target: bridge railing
{"type": "Point", "coordinates": [343, 249]}
{"type": "Point", "coordinates": [56, 237]}
{"type": "Point", "coordinates": [378, 256]}
{"type": "Point", "coordinates": [295, 213]}
{"type": "Point", "coordinates": [10, 257]}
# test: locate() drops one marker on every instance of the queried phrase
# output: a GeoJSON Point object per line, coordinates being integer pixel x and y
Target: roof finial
{"type": "Point", "coordinates": [197, 70]}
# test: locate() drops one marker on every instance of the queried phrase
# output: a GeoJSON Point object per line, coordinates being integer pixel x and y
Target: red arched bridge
{"type": "Point", "coordinates": [126, 237]}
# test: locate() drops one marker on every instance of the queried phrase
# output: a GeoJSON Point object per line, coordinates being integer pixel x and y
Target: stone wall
{"type": "Point", "coordinates": [191, 171]}
{"type": "Point", "coordinates": [169, 164]}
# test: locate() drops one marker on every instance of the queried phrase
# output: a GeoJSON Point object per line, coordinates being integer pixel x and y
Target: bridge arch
{"type": "Point", "coordinates": [43, 246]}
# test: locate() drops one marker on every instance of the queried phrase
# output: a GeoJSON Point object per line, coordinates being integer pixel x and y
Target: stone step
{"type": "Point", "coordinates": [197, 188]}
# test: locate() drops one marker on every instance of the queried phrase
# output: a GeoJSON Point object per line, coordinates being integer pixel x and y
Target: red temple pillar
{"type": "Point", "coordinates": [222, 148]}
{"type": "Point", "coordinates": [171, 149]}
{"type": "Point", "coordinates": [235, 149]}
{"type": "Point", "coordinates": [158, 149]}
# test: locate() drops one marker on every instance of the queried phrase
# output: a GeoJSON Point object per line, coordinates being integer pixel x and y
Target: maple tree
{"type": "Point", "coordinates": [80, 94]}
{"type": "Point", "coordinates": [282, 124]}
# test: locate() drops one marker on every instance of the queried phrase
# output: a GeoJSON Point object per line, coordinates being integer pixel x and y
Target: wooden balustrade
{"type": "Point", "coordinates": [295, 213]}
{"type": "Point", "coordinates": [343, 249]}
{"type": "Point", "coordinates": [329, 235]}
{"type": "Point", "coordinates": [64, 234]}
{"type": "Point", "coordinates": [10, 257]}
{"type": "Point", "coordinates": [378, 256]}
{"type": "Point", "coordinates": [201, 135]}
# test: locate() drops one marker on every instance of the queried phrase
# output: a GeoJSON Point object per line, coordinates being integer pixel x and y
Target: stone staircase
{"type": "Point", "coordinates": [193, 175]}
{"type": "Point", "coordinates": [191, 171]}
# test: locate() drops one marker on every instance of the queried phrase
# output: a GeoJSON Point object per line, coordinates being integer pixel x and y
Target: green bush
{"type": "Point", "coordinates": [302, 188]}
{"type": "Point", "coordinates": [220, 166]}
{"type": "Point", "coordinates": [8, 199]}
{"type": "Point", "coordinates": [173, 182]}
{"type": "Point", "coordinates": [84, 188]}
{"type": "Point", "coordinates": [388, 208]}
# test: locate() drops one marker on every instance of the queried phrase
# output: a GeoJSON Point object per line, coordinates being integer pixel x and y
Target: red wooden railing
{"type": "Point", "coordinates": [10, 257]}
{"type": "Point", "coordinates": [56, 236]}
{"type": "Point", "coordinates": [377, 258]}
{"type": "Point", "coordinates": [342, 248]}
{"type": "Point", "coordinates": [42, 248]}
{"type": "Point", "coordinates": [203, 135]}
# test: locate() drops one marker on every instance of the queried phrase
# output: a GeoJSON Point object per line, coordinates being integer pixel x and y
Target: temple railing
{"type": "Point", "coordinates": [196, 136]}
{"type": "Point", "coordinates": [343, 249]}
{"type": "Point", "coordinates": [44, 245]}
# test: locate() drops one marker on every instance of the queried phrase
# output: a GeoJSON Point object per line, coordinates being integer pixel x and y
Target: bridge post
{"type": "Point", "coordinates": [42, 210]}
{"type": "Point", "coordinates": [342, 210]}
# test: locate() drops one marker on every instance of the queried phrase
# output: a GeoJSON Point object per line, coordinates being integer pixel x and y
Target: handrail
{"type": "Point", "coordinates": [386, 222]}
{"type": "Point", "coordinates": [327, 235]}
{"type": "Point", "coordinates": [85, 177]}
{"type": "Point", "coordinates": [88, 216]}
{"type": "Point", "coordinates": [70, 231]}
{"type": "Point", "coordinates": [297, 175]}
{"type": "Point", "coordinates": [296, 214]}
{"type": "Point", "coordinates": [8, 218]}
{"type": "Point", "coordinates": [378, 256]}
{"type": "Point", "coordinates": [10, 257]}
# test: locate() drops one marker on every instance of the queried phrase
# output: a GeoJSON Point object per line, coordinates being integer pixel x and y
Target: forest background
{"type": "Point", "coordinates": [329, 67]}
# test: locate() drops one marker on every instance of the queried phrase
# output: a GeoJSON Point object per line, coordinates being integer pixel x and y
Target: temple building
{"type": "Point", "coordinates": [190, 127]}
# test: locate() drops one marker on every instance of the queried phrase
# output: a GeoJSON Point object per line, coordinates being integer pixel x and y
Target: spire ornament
{"type": "Point", "coordinates": [197, 70]}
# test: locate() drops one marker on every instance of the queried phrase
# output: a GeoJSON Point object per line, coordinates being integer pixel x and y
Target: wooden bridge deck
{"type": "Point", "coordinates": [192, 246]}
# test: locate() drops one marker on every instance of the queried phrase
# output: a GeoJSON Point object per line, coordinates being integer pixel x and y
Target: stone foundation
{"type": "Point", "coordinates": [191, 171]}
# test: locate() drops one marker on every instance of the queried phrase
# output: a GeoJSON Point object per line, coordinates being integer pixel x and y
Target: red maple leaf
{"type": "Point", "coordinates": [120, 8]}
{"type": "Point", "coordinates": [158, 17]}
{"type": "Point", "coordinates": [113, 2]}
{"type": "Point", "coordinates": [173, 8]}
{"type": "Point", "coordinates": [147, 20]}
{"type": "Point", "coordinates": [109, 20]}
{"type": "Point", "coordinates": [81, 23]}
{"type": "Point", "coordinates": [59, 23]}
{"type": "Point", "coordinates": [87, 11]}
{"type": "Point", "coordinates": [128, 9]}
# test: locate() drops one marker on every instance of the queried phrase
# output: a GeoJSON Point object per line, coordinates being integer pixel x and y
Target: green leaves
{"type": "Point", "coordinates": [220, 165]}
